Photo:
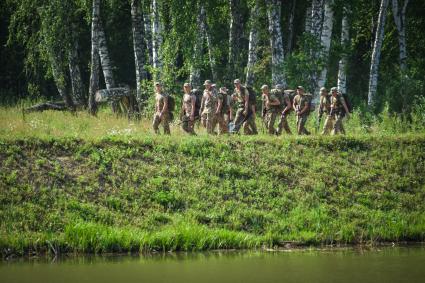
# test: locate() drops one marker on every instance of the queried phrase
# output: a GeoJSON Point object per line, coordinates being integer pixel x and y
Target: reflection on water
{"type": "Point", "coordinates": [399, 264]}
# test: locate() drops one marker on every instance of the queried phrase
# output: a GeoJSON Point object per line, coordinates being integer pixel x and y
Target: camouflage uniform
{"type": "Point", "coordinates": [187, 124]}
{"type": "Point", "coordinates": [208, 112]}
{"type": "Point", "coordinates": [337, 110]}
{"type": "Point", "coordinates": [248, 124]}
{"type": "Point", "coordinates": [157, 120]}
{"type": "Point", "coordinates": [300, 101]}
{"type": "Point", "coordinates": [325, 107]}
{"type": "Point", "coordinates": [271, 112]}
{"type": "Point", "coordinates": [283, 123]}
{"type": "Point", "coordinates": [219, 118]}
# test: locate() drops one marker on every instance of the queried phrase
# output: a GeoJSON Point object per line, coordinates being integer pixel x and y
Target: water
{"type": "Point", "coordinates": [400, 264]}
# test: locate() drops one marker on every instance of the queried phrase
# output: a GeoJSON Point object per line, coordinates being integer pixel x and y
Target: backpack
{"type": "Point", "coordinates": [225, 106]}
{"type": "Point", "coordinates": [198, 94]}
{"type": "Point", "coordinates": [252, 96]}
{"type": "Point", "coordinates": [311, 106]}
{"type": "Point", "coordinates": [171, 103]}
{"type": "Point", "coordinates": [348, 103]}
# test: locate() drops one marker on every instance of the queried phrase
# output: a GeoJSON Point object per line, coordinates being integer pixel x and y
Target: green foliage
{"type": "Point", "coordinates": [167, 194]}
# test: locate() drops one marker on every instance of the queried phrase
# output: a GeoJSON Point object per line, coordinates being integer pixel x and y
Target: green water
{"type": "Point", "coordinates": [400, 264]}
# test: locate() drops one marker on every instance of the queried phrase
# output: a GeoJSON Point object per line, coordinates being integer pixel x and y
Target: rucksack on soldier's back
{"type": "Point", "coordinates": [171, 103]}
{"type": "Point", "coordinates": [198, 94]}
{"type": "Point", "coordinates": [252, 95]}
{"type": "Point", "coordinates": [347, 102]}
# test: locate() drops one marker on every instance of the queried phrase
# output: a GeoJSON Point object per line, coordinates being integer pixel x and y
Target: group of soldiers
{"type": "Point", "coordinates": [216, 108]}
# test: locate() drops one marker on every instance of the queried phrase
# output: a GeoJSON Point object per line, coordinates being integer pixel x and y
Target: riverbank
{"type": "Point", "coordinates": [196, 193]}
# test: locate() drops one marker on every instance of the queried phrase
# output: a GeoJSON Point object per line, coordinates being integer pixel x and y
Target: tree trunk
{"type": "Point", "coordinates": [317, 18]}
{"type": "Point", "coordinates": [148, 36]}
{"type": "Point", "coordinates": [325, 39]}
{"type": "Point", "coordinates": [94, 68]}
{"type": "Point", "coordinates": [253, 45]}
{"type": "Point", "coordinates": [276, 41]}
{"type": "Point", "coordinates": [291, 28]}
{"type": "Point", "coordinates": [308, 21]}
{"type": "Point", "coordinates": [195, 69]}
{"type": "Point", "coordinates": [105, 59]}
{"type": "Point", "coordinates": [342, 65]}
{"type": "Point", "coordinates": [399, 14]}
{"type": "Point", "coordinates": [206, 32]}
{"type": "Point", "coordinates": [234, 37]}
{"type": "Point", "coordinates": [60, 79]}
{"type": "Point", "coordinates": [376, 54]}
{"type": "Point", "coordinates": [157, 40]}
{"type": "Point", "coordinates": [138, 46]}
{"type": "Point", "coordinates": [74, 69]}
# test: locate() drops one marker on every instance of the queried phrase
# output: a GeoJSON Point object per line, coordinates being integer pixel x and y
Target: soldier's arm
{"type": "Point", "coordinates": [294, 106]}
{"type": "Point", "coordinates": [288, 105]}
{"type": "Point", "coordinates": [202, 104]}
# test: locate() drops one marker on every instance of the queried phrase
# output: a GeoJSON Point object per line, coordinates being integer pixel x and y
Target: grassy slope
{"type": "Point", "coordinates": [198, 193]}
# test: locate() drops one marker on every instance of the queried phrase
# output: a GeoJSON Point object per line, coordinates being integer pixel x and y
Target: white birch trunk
{"type": "Point", "coordinates": [253, 45]}
{"type": "Point", "coordinates": [156, 40]}
{"type": "Point", "coordinates": [376, 54]}
{"type": "Point", "coordinates": [342, 65]}
{"type": "Point", "coordinates": [234, 36]}
{"type": "Point", "coordinates": [326, 36]}
{"type": "Point", "coordinates": [138, 46]}
{"type": "Point", "coordinates": [195, 69]}
{"type": "Point", "coordinates": [105, 59]}
{"type": "Point", "coordinates": [74, 70]}
{"type": "Point", "coordinates": [308, 22]}
{"type": "Point", "coordinates": [316, 31]}
{"type": "Point", "coordinates": [148, 36]}
{"type": "Point", "coordinates": [276, 41]}
{"type": "Point", "coordinates": [399, 14]}
{"type": "Point", "coordinates": [95, 64]}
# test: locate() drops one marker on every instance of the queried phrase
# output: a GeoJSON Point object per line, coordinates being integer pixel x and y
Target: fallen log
{"type": "Point", "coordinates": [49, 105]}
{"type": "Point", "coordinates": [112, 94]}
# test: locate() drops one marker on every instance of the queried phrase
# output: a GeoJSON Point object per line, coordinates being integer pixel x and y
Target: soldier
{"type": "Point", "coordinates": [188, 110]}
{"type": "Point", "coordinates": [302, 110]}
{"type": "Point", "coordinates": [270, 108]}
{"type": "Point", "coordinates": [283, 123]}
{"type": "Point", "coordinates": [162, 114]}
{"type": "Point", "coordinates": [325, 108]}
{"type": "Point", "coordinates": [222, 107]}
{"type": "Point", "coordinates": [338, 106]}
{"type": "Point", "coordinates": [245, 114]}
{"type": "Point", "coordinates": [208, 107]}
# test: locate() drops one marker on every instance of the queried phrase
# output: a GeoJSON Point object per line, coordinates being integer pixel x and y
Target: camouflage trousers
{"type": "Point", "coordinates": [338, 127]}
{"type": "Point", "coordinates": [283, 124]}
{"type": "Point", "coordinates": [188, 125]}
{"type": "Point", "coordinates": [208, 121]}
{"type": "Point", "coordinates": [222, 124]}
{"type": "Point", "coordinates": [269, 120]}
{"type": "Point", "coordinates": [301, 120]}
{"type": "Point", "coordinates": [164, 120]}
{"type": "Point", "coordinates": [329, 123]}
{"type": "Point", "coordinates": [249, 126]}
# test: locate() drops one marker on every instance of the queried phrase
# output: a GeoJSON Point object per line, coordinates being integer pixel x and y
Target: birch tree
{"type": "Point", "coordinates": [148, 36]}
{"type": "Point", "coordinates": [195, 70]}
{"type": "Point", "coordinates": [234, 36]}
{"type": "Point", "coordinates": [399, 14]}
{"type": "Point", "coordinates": [156, 40]}
{"type": "Point", "coordinates": [325, 38]}
{"type": "Point", "coordinates": [211, 58]}
{"type": "Point", "coordinates": [376, 53]}
{"type": "Point", "coordinates": [316, 32]}
{"type": "Point", "coordinates": [342, 64]}
{"type": "Point", "coordinates": [105, 59]}
{"type": "Point", "coordinates": [276, 41]}
{"type": "Point", "coordinates": [138, 46]}
{"type": "Point", "coordinates": [308, 22]}
{"type": "Point", "coordinates": [253, 44]}
{"type": "Point", "coordinates": [95, 62]}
